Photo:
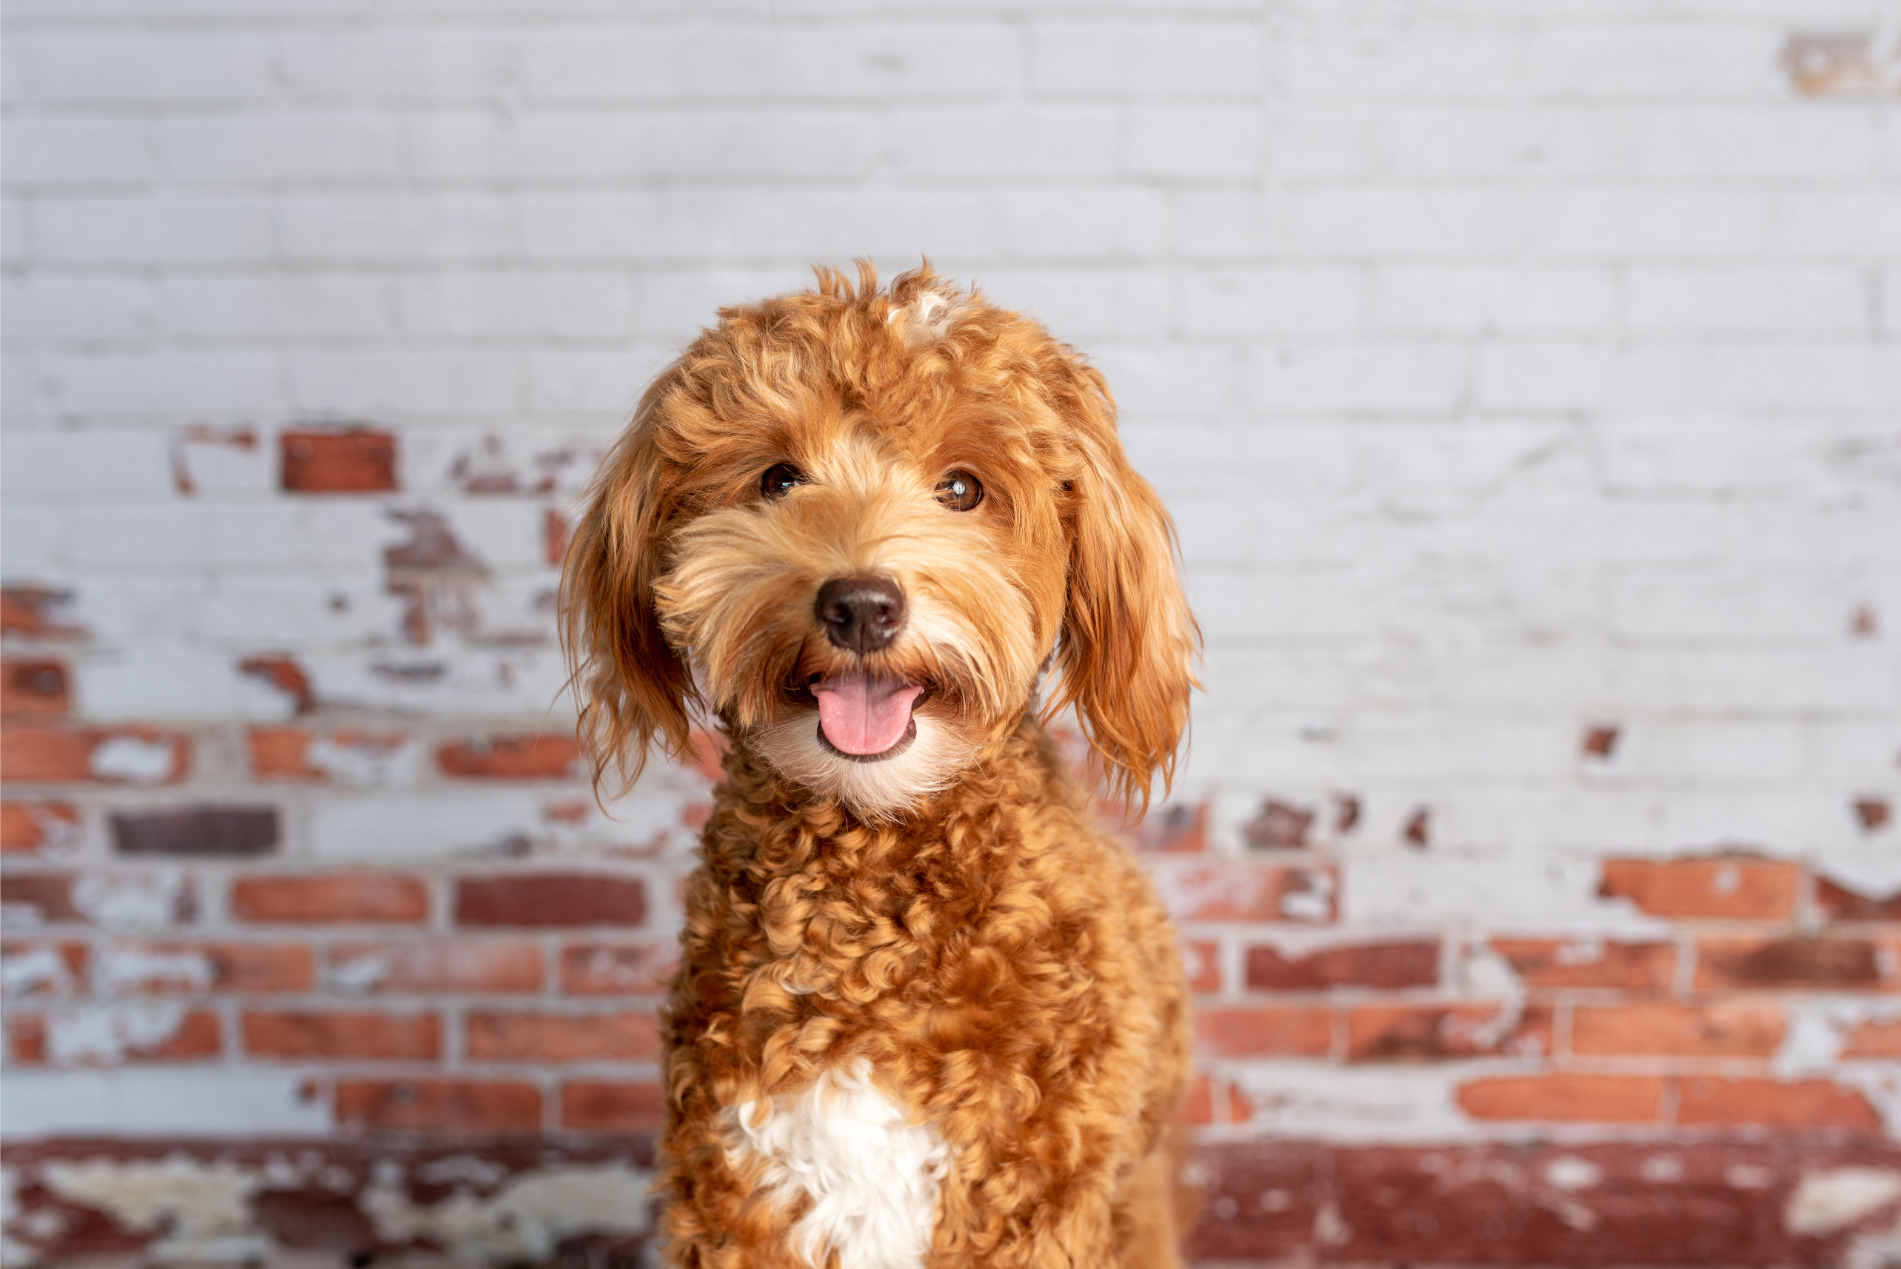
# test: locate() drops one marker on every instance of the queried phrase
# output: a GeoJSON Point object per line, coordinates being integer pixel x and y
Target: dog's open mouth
{"type": "Point", "coordinates": [866, 719]}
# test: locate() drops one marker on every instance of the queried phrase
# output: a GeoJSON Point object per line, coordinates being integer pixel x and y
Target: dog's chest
{"type": "Point", "coordinates": [868, 1176]}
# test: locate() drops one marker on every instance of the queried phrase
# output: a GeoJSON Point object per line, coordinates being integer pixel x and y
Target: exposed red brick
{"type": "Point", "coordinates": [1834, 64]}
{"type": "Point", "coordinates": [1392, 965]}
{"type": "Point", "coordinates": [555, 536]}
{"type": "Point", "coordinates": [169, 968]}
{"type": "Point", "coordinates": [617, 969]}
{"type": "Point", "coordinates": [1873, 1038]}
{"type": "Point", "coordinates": [1821, 963]}
{"type": "Point", "coordinates": [286, 675]}
{"type": "Point", "coordinates": [1248, 891]}
{"type": "Point", "coordinates": [40, 896]}
{"type": "Point", "coordinates": [558, 1037]}
{"type": "Point", "coordinates": [1564, 1098]}
{"type": "Point", "coordinates": [1212, 1100]}
{"type": "Point", "coordinates": [25, 827]}
{"type": "Point", "coordinates": [36, 612]}
{"type": "Point", "coordinates": [342, 1034]}
{"type": "Point", "coordinates": [439, 1105]}
{"type": "Point", "coordinates": [1175, 829]}
{"type": "Point", "coordinates": [1863, 624]}
{"type": "Point", "coordinates": [284, 753]}
{"type": "Point", "coordinates": [1732, 887]}
{"type": "Point", "coordinates": [1673, 1030]}
{"type": "Point", "coordinates": [1872, 813]}
{"type": "Point", "coordinates": [1279, 826]}
{"type": "Point", "coordinates": [428, 571]}
{"type": "Point", "coordinates": [532, 757]}
{"type": "Point", "coordinates": [61, 968]}
{"type": "Point", "coordinates": [439, 965]}
{"type": "Point", "coordinates": [1838, 902]}
{"type": "Point", "coordinates": [1201, 959]}
{"type": "Point", "coordinates": [1815, 1104]}
{"type": "Point", "coordinates": [334, 897]}
{"type": "Point", "coordinates": [338, 460]}
{"type": "Point", "coordinates": [1432, 1033]}
{"type": "Point", "coordinates": [550, 899]}
{"type": "Point", "coordinates": [1265, 1031]}
{"type": "Point", "coordinates": [63, 755]}
{"type": "Point", "coordinates": [199, 1038]}
{"type": "Point", "coordinates": [1418, 830]}
{"type": "Point", "coordinates": [1600, 741]}
{"type": "Point", "coordinates": [1346, 813]}
{"type": "Point", "coordinates": [34, 687]}
{"type": "Point", "coordinates": [1552, 963]}
{"type": "Point", "coordinates": [612, 1106]}
{"type": "Point", "coordinates": [206, 832]}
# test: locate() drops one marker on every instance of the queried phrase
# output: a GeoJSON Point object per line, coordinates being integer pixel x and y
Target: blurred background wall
{"type": "Point", "coordinates": [1525, 380]}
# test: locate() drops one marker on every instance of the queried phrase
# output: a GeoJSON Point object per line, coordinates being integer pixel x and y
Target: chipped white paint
{"type": "Point", "coordinates": [869, 1176]}
{"type": "Point", "coordinates": [362, 972]}
{"type": "Point", "coordinates": [144, 1101]}
{"type": "Point", "coordinates": [1824, 1202]}
{"type": "Point", "coordinates": [131, 759]}
{"type": "Point", "coordinates": [37, 969]}
{"type": "Point", "coordinates": [524, 1220]}
{"type": "Point", "coordinates": [106, 1034]}
{"type": "Point", "coordinates": [202, 1207]}
{"type": "Point", "coordinates": [1570, 1173]}
{"type": "Point", "coordinates": [130, 900]}
{"type": "Point", "coordinates": [1321, 1101]}
{"type": "Point", "coordinates": [364, 761]}
{"type": "Point", "coordinates": [1330, 1228]}
{"type": "Point", "coordinates": [121, 968]}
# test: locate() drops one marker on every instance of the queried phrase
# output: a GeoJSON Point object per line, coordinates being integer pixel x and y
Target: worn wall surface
{"type": "Point", "coordinates": [1525, 379]}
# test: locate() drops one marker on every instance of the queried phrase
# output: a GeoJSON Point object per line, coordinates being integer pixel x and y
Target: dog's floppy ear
{"type": "Point", "coordinates": [1128, 640]}
{"type": "Point", "coordinates": [632, 687]}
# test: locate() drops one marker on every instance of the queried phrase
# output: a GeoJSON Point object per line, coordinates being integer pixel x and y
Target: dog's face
{"type": "Point", "coordinates": [858, 524]}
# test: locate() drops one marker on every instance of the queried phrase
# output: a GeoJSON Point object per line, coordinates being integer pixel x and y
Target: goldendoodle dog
{"type": "Point", "coordinates": [928, 1013]}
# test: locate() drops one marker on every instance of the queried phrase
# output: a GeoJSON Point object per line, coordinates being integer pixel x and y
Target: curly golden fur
{"type": "Point", "coordinates": [943, 917]}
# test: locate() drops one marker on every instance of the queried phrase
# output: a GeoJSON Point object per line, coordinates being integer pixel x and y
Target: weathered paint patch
{"type": "Point", "coordinates": [1825, 1202]}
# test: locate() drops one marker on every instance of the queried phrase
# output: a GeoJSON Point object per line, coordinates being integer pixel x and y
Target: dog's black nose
{"type": "Point", "coordinates": [862, 614]}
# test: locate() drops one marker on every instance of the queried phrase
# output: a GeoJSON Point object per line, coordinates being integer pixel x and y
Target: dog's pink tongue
{"type": "Point", "coordinates": [863, 715]}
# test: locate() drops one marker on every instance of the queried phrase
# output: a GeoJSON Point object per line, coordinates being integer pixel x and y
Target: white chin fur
{"type": "Point", "coordinates": [875, 790]}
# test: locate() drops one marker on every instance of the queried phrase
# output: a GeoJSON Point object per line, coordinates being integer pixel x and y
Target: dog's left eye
{"type": "Point", "coordinates": [960, 491]}
{"type": "Point", "coordinates": [779, 480]}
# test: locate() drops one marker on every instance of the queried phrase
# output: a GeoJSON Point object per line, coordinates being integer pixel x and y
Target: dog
{"type": "Point", "coordinates": [927, 1013]}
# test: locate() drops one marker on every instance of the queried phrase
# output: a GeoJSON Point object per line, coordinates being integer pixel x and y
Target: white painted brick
{"type": "Point", "coordinates": [55, 151]}
{"type": "Point", "coordinates": [1167, 379]}
{"type": "Point", "coordinates": [608, 383]}
{"type": "Point", "coordinates": [168, 384]}
{"type": "Point", "coordinates": [1124, 58]}
{"type": "Point", "coordinates": [41, 465]}
{"type": "Point", "coordinates": [1086, 223]}
{"type": "Point", "coordinates": [151, 680]}
{"type": "Point", "coordinates": [506, 304]}
{"type": "Point", "coordinates": [1656, 60]}
{"type": "Point", "coordinates": [1317, 142]}
{"type": "Point", "coordinates": [176, 66]}
{"type": "Point", "coordinates": [371, 382]}
{"type": "Point", "coordinates": [1483, 142]}
{"type": "Point", "coordinates": [1283, 300]}
{"type": "Point", "coordinates": [1857, 225]}
{"type": "Point", "coordinates": [1410, 379]}
{"type": "Point", "coordinates": [157, 1102]}
{"type": "Point", "coordinates": [1083, 306]}
{"type": "Point", "coordinates": [1765, 143]}
{"type": "Point", "coordinates": [1731, 751]}
{"type": "Point", "coordinates": [44, 306]}
{"type": "Point", "coordinates": [161, 229]}
{"type": "Point", "coordinates": [1702, 301]}
{"type": "Point", "coordinates": [248, 150]}
{"type": "Point", "coordinates": [1739, 604]}
{"type": "Point", "coordinates": [432, 64]}
{"type": "Point", "coordinates": [1037, 142]}
{"type": "Point", "coordinates": [1372, 56]}
{"type": "Point", "coordinates": [1469, 299]}
{"type": "Point", "coordinates": [468, 823]}
{"type": "Point", "coordinates": [287, 306]}
{"type": "Point", "coordinates": [1193, 142]}
{"type": "Point", "coordinates": [361, 227]}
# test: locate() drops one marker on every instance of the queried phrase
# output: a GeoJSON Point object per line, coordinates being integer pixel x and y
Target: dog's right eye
{"type": "Point", "coordinates": [779, 480]}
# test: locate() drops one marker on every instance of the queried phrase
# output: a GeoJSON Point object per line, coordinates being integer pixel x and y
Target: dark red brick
{"type": "Point", "coordinates": [205, 832]}
{"type": "Point", "coordinates": [1814, 1105]}
{"type": "Point", "coordinates": [46, 896]}
{"type": "Point", "coordinates": [338, 460]}
{"type": "Point", "coordinates": [1842, 964]}
{"type": "Point", "coordinates": [439, 1105]}
{"type": "Point", "coordinates": [612, 1105]}
{"type": "Point", "coordinates": [1176, 829]}
{"type": "Point", "coordinates": [26, 827]}
{"type": "Point", "coordinates": [1553, 963]}
{"type": "Point", "coordinates": [550, 899]}
{"type": "Point", "coordinates": [617, 969]}
{"type": "Point", "coordinates": [529, 757]}
{"type": "Point", "coordinates": [1393, 965]}
{"type": "Point", "coordinates": [1279, 826]}
{"type": "Point", "coordinates": [514, 1036]}
{"type": "Point", "coordinates": [337, 1033]}
{"type": "Point", "coordinates": [34, 686]}
{"type": "Point", "coordinates": [37, 612]}
{"type": "Point", "coordinates": [1838, 902]}
{"type": "Point", "coordinates": [286, 675]}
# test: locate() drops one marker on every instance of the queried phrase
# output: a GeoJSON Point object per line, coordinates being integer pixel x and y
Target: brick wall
{"type": "Point", "coordinates": [1525, 381]}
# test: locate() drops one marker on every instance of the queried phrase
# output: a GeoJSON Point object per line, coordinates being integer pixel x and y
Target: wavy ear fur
{"type": "Point", "coordinates": [1128, 640]}
{"type": "Point", "coordinates": [632, 687]}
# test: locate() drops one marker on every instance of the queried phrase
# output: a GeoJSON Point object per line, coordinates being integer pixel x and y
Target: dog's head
{"type": "Point", "coordinates": [858, 524]}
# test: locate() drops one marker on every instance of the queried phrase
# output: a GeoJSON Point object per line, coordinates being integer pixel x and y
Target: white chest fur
{"type": "Point", "coordinates": [871, 1177]}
